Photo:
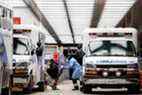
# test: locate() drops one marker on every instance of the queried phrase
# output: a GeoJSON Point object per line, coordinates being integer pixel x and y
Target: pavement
{"type": "Point", "coordinates": [65, 88]}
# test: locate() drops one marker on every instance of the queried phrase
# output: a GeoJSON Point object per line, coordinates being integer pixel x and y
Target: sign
{"type": "Point", "coordinates": [16, 20]}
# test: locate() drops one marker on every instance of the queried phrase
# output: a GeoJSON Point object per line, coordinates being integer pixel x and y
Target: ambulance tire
{"type": "Point", "coordinates": [86, 89]}
{"type": "Point", "coordinates": [134, 89]}
{"type": "Point", "coordinates": [5, 91]}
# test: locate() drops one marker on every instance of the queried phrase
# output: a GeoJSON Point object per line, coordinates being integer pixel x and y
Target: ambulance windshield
{"type": "Point", "coordinates": [20, 46]}
{"type": "Point", "coordinates": [112, 48]}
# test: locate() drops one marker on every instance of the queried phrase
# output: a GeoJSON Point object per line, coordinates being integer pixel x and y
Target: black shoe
{"type": "Point", "coordinates": [75, 88]}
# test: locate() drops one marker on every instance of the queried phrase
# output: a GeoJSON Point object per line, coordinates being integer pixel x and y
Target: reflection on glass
{"type": "Point", "coordinates": [112, 48]}
{"type": "Point", "coordinates": [20, 46]}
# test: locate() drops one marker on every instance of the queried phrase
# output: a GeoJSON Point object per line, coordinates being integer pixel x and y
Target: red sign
{"type": "Point", "coordinates": [56, 56]}
{"type": "Point", "coordinates": [16, 20]}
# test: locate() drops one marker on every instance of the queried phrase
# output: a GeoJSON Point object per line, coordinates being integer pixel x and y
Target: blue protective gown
{"type": "Point", "coordinates": [75, 66]}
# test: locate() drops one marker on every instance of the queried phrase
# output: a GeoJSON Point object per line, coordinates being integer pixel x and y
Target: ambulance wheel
{"type": "Point", "coordinates": [134, 89]}
{"type": "Point", "coordinates": [5, 91]}
{"type": "Point", "coordinates": [86, 89]}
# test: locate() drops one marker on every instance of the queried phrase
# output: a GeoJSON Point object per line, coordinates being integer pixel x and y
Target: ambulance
{"type": "Point", "coordinates": [26, 73]}
{"type": "Point", "coordinates": [110, 62]}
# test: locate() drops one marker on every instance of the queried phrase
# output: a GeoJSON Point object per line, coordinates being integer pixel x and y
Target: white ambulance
{"type": "Point", "coordinates": [26, 73]}
{"type": "Point", "coordinates": [110, 63]}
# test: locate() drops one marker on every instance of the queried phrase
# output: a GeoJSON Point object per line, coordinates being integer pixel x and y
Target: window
{"type": "Point", "coordinates": [112, 48]}
{"type": "Point", "coordinates": [5, 18]}
{"type": "Point", "coordinates": [20, 46]}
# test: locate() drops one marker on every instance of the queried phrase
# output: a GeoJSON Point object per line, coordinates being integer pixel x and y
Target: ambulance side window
{"type": "Point", "coordinates": [130, 48]}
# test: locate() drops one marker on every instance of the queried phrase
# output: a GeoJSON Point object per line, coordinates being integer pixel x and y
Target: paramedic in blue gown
{"type": "Point", "coordinates": [75, 71]}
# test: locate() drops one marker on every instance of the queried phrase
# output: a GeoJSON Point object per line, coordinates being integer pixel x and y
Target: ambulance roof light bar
{"type": "Point", "coordinates": [126, 34]}
{"type": "Point", "coordinates": [19, 31]}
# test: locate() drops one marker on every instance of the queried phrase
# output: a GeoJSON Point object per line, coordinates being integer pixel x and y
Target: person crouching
{"type": "Point", "coordinates": [53, 71]}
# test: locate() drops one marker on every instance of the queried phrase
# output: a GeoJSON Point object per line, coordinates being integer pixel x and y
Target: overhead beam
{"type": "Point", "coordinates": [93, 18]}
{"type": "Point", "coordinates": [40, 16]}
{"type": "Point", "coordinates": [69, 20]}
{"type": "Point", "coordinates": [133, 17]}
{"type": "Point", "coordinates": [97, 11]}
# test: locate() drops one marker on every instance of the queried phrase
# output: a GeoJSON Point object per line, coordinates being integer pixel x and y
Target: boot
{"type": "Point", "coordinates": [75, 88]}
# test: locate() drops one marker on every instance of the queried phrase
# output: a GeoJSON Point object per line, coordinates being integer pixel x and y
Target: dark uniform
{"type": "Point", "coordinates": [53, 71]}
{"type": "Point", "coordinates": [79, 55]}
